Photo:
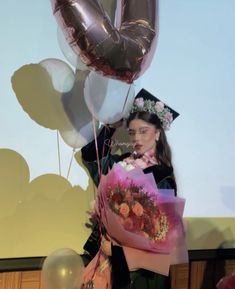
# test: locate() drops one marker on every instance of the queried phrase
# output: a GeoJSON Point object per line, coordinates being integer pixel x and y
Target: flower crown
{"type": "Point", "coordinates": [155, 107]}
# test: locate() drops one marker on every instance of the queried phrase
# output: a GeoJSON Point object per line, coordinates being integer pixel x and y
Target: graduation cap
{"type": "Point", "coordinates": [146, 102]}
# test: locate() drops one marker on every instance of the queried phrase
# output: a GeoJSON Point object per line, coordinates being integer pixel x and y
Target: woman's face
{"type": "Point", "coordinates": [142, 135]}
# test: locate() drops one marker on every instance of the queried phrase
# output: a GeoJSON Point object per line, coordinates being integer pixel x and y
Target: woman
{"type": "Point", "coordinates": [148, 119]}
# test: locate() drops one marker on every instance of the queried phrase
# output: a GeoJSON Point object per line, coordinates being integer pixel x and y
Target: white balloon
{"type": "Point", "coordinates": [76, 139]}
{"type": "Point", "coordinates": [63, 269]}
{"type": "Point", "coordinates": [81, 130]}
{"type": "Point", "coordinates": [109, 100]}
{"type": "Point", "coordinates": [68, 52]}
{"type": "Point", "coordinates": [61, 74]}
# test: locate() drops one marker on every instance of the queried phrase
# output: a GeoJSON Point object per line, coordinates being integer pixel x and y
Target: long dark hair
{"type": "Point", "coordinates": [163, 150]}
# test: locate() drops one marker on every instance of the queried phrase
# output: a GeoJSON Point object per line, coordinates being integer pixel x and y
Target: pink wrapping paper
{"type": "Point", "coordinates": [141, 252]}
{"type": "Point", "coordinates": [155, 262]}
{"type": "Point", "coordinates": [98, 273]}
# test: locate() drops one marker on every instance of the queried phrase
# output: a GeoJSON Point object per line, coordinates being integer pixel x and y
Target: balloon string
{"type": "Point", "coordinates": [126, 97]}
{"type": "Point", "coordinates": [99, 172]}
{"type": "Point", "coordinates": [58, 151]}
{"type": "Point", "coordinates": [96, 147]}
{"type": "Point", "coordinates": [70, 164]}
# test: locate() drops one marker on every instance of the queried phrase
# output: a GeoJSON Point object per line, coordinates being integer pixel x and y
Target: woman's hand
{"type": "Point", "coordinates": [105, 245]}
{"type": "Point", "coordinates": [116, 124]}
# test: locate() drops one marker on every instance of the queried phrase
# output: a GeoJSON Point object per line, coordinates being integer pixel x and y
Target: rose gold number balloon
{"type": "Point", "coordinates": [124, 52]}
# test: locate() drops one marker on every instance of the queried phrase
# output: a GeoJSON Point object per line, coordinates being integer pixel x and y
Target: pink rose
{"type": "Point", "coordinates": [168, 116]}
{"type": "Point", "coordinates": [124, 210]}
{"type": "Point", "coordinates": [139, 102]}
{"type": "Point", "coordinates": [159, 106]}
{"type": "Point", "coordinates": [138, 209]}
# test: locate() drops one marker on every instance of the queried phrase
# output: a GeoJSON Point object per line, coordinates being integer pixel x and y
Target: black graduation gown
{"type": "Point", "coordinates": [121, 277]}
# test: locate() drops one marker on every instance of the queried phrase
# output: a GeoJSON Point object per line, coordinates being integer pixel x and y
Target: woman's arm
{"type": "Point", "coordinates": [89, 155]}
{"type": "Point", "coordinates": [103, 143]}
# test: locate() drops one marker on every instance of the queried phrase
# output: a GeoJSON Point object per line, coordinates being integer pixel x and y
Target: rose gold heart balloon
{"type": "Point", "coordinates": [123, 52]}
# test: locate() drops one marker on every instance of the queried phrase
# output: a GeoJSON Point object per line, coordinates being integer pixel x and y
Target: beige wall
{"type": "Point", "coordinates": [39, 216]}
{"type": "Point", "coordinates": [210, 233]}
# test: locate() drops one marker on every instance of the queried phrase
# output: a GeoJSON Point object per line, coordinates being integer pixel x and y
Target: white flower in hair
{"type": "Point", "coordinates": [159, 106]}
{"type": "Point", "coordinates": [139, 102]}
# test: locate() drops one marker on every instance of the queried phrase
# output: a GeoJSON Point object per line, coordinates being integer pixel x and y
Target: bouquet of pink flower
{"type": "Point", "coordinates": [139, 212]}
{"type": "Point", "coordinates": [136, 214]}
{"type": "Point", "coordinates": [145, 221]}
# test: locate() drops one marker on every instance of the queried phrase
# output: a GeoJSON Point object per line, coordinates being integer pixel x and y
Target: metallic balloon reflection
{"type": "Point", "coordinates": [63, 269]}
{"type": "Point", "coordinates": [123, 52]}
{"type": "Point", "coordinates": [68, 52]}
